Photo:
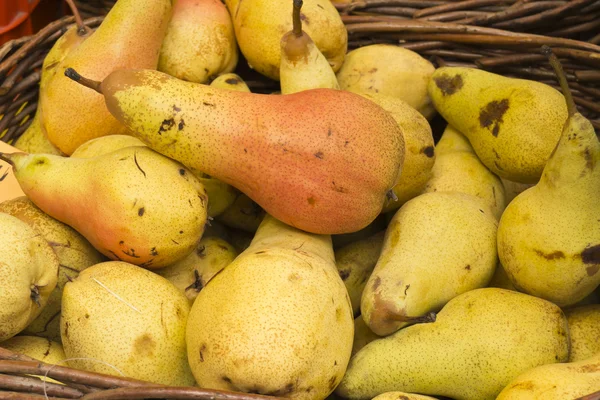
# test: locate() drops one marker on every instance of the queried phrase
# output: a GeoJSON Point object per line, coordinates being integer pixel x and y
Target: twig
{"type": "Point", "coordinates": [459, 5]}
{"type": "Point", "coordinates": [35, 385]}
{"type": "Point", "coordinates": [173, 392]}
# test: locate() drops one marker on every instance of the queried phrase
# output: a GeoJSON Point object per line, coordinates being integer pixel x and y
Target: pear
{"type": "Point", "coordinates": [437, 246]}
{"type": "Point", "coordinates": [41, 349]}
{"type": "Point", "coordinates": [389, 70]}
{"type": "Point", "coordinates": [200, 42]}
{"type": "Point", "coordinates": [74, 253]}
{"type": "Point", "coordinates": [501, 280]}
{"type": "Point", "coordinates": [513, 124]}
{"type": "Point", "coordinates": [303, 66]}
{"type": "Point", "coordinates": [572, 380]}
{"type": "Point", "coordinates": [230, 81]}
{"type": "Point", "coordinates": [362, 335]}
{"type": "Point", "coordinates": [457, 168]}
{"type": "Point", "coordinates": [104, 145]}
{"type": "Point", "coordinates": [513, 189]}
{"type": "Point", "coordinates": [549, 235]}
{"type": "Point", "coordinates": [34, 139]}
{"type": "Point", "coordinates": [132, 204]}
{"type": "Point", "coordinates": [584, 328]}
{"type": "Point", "coordinates": [28, 272]}
{"type": "Point", "coordinates": [301, 156]}
{"type": "Point", "coordinates": [191, 274]}
{"type": "Point", "coordinates": [401, 396]}
{"type": "Point", "coordinates": [119, 318]}
{"type": "Point", "coordinates": [480, 341]}
{"type": "Point", "coordinates": [260, 24]}
{"type": "Point", "coordinates": [276, 321]}
{"type": "Point", "coordinates": [243, 214]}
{"type": "Point", "coordinates": [129, 37]}
{"type": "Point", "coordinates": [355, 262]}
{"type": "Point", "coordinates": [379, 224]}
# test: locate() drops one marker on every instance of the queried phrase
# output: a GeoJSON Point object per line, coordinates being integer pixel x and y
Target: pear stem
{"type": "Point", "coordinates": [562, 79]}
{"type": "Point", "coordinates": [71, 73]}
{"type": "Point", "coordinates": [427, 318]}
{"type": "Point", "coordinates": [6, 158]}
{"type": "Point", "coordinates": [296, 19]}
{"type": "Point", "coordinates": [81, 28]}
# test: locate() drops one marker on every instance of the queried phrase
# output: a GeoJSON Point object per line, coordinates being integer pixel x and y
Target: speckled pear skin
{"type": "Point", "coordinates": [40, 348]}
{"type": "Point", "coordinates": [276, 321]}
{"type": "Point", "coordinates": [129, 37]}
{"type": "Point", "coordinates": [437, 246]}
{"type": "Point", "coordinates": [402, 396]}
{"type": "Point", "coordinates": [513, 124]}
{"type": "Point", "coordinates": [302, 157]}
{"type": "Point", "coordinates": [584, 327]}
{"type": "Point", "coordinates": [230, 81]}
{"type": "Point", "coordinates": [128, 317]}
{"type": "Point", "coordinates": [480, 341]}
{"type": "Point", "coordinates": [556, 381]}
{"type": "Point", "coordinates": [132, 204]}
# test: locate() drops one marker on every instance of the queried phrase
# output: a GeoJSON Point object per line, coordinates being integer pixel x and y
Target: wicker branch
{"type": "Point", "coordinates": [36, 385]}
{"type": "Point", "coordinates": [27, 396]}
{"type": "Point", "coordinates": [172, 392]}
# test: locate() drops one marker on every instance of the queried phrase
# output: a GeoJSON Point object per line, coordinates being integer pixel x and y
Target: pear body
{"type": "Point", "coordinates": [308, 175]}
{"type": "Point", "coordinates": [230, 81]}
{"type": "Point", "coordinates": [199, 42]}
{"type": "Point", "coordinates": [457, 168]}
{"type": "Point", "coordinates": [549, 235]}
{"type": "Point", "coordinates": [34, 140]}
{"type": "Point", "coordinates": [422, 265]}
{"type": "Point", "coordinates": [501, 279]}
{"type": "Point", "coordinates": [131, 204]}
{"type": "Point", "coordinates": [243, 214]}
{"type": "Point", "coordinates": [362, 335]}
{"type": "Point", "coordinates": [556, 381]}
{"type": "Point", "coordinates": [513, 189]}
{"type": "Point", "coordinates": [389, 70]}
{"type": "Point", "coordinates": [191, 274]}
{"type": "Point", "coordinates": [401, 396]}
{"type": "Point", "coordinates": [42, 349]}
{"type": "Point", "coordinates": [480, 341]}
{"type": "Point", "coordinates": [276, 321]}
{"type": "Point", "coordinates": [74, 254]}
{"type": "Point", "coordinates": [104, 145]}
{"type": "Point", "coordinates": [28, 272]}
{"type": "Point", "coordinates": [127, 317]}
{"type": "Point", "coordinates": [129, 37]}
{"type": "Point", "coordinates": [584, 329]}
{"type": "Point", "coordinates": [513, 125]}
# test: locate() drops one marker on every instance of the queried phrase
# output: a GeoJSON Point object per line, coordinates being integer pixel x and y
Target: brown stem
{"type": "Point", "coordinates": [72, 74]}
{"type": "Point", "coordinates": [81, 28]}
{"type": "Point", "coordinates": [391, 195]}
{"type": "Point", "coordinates": [296, 19]}
{"type": "Point", "coordinates": [562, 79]}
{"type": "Point", "coordinates": [423, 319]}
{"type": "Point", "coordinates": [4, 157]}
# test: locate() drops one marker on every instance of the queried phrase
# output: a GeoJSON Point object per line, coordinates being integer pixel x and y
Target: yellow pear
{"type": "Point", "coordinates": [34, 139]}
{"type": "Point", "coordinates": [457, 168]}
{"type": "Point", "coordinates": [549, 235]}
{"type": "Point", "coordinates": [355, 262]}
{"type": "Point", "coordinates": [513, 124]}
{"type": "Point", "coordinates": [303, 66]}
{"type": "Point", "coordinates": [276, 321]}
{"type": "Point", "coordinates": [362, 335]}
{"type": "Point", "coordinates": [120, 318]}
{"type": "Point", "coordinates": [28, 272]}
{"type": "Point", "coordinates": [401, 396]}
{"type": "Point", "coordinates": [260, 24]}
{"type": "Point", "coordinates": [74, 253]}
{"type": "Point", "coordinates": [104, 145]}
{"type": "Point", "coordinates": [230, 81]}
{"type": "Point", "coordinates": [437, 246]}
{"type": "Point", "coordinates": [389, 70]}
{"type": "Point", "coordinates": [120, 201]}
{"type": "Point", "coordinates": [42, 349]}
{"type": "Point", "coordinates": [379, 224]}
{"type": "Point", "coordinates": [584, 328]}
{"type": "Point", "coordinates": [480, 341]}
{"type": "Point", "coordinates": [501, 280]}
{"type": "Point", "coordinates": [243, 214]}
{"type": "Point", "coordinates": [513, 189]}
{"type": "Point", "coordinates": [191, 274]}
{"type": "Point", "coordinates": [572, 380]}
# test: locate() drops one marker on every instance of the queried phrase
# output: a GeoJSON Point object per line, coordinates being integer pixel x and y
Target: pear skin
{"type": "Point", "coordinates": [480, 341]}
{"type": "Point", "coordinates": [120, 202]}
{"type": "Point", "coordinates": [129, 37]}
{"type": "Point", "coordinates": [422, 265]}
{"type": "Point", "coordinates": [243, 214]}
{"type": "Point", "coordinates": [276, 321]}
{"type": "Point", "coordinates": [104, 145]}
{"type": "Point", "coordinates": [549, 235]}
{"type": "Point", "coordinates": [513, 124]}
{"type": "Point", "coordinates": [402, 396]}
{"type": "Point", "coordinates": [200, 42]}
{"type": "Point", "coordinates": [584, 328]}
{"type": "Point", "coordinates": [362, 335]}
{"type": "Point", "coordinates": [230, 81]}
{"type": "Point", "coordinates": [309, 175]}
{"type": "Point", "coordinates": [42, 349]}
{"type": "Point", "coordinates": [34, 140]}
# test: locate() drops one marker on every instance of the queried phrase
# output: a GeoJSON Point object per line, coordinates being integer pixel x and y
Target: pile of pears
{"type": "Point", "coordinates": [312, 243]}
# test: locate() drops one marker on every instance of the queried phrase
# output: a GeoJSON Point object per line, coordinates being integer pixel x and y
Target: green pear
{"type": "Point", "coordinates": [120, 318]}
{"type": "Point", "coordinates": [480, 341]}
{"type": "Point", "coordinates": [28, 272]}
{"type": "Point", "coordinates": [355, 262]}
{"type": "Point", "coordinates": [513, 124]}
{"type": "Point", "coordinates": [362, 335]}
{"type": "Point", "coordinates": [132, 204]}
{"type": "Point", "coordinates": [74, 253]}
{"type": "Point", "coordinates": [572, 380]}
{"type": "Point", "coordinates": [303, 66]}
{"type": "Point", "coordinates": [230, 81]}
{"type": "Point", "coordinates": [457, 168]}
{"type": "Point", "coordinates": [260, 24]}
{"type": "Point", "coordinates": [437, 246]}
{"type": "Point", "coordinates": [42, 349]}
{"type": "Point", "coordinates": [276, 321]}
{"type": "Point", "coordinates": [191, 274]}
{"type": "Point", "coordinates": [584, 328]}
{"type": "Point", "coordinates": [549, 235]}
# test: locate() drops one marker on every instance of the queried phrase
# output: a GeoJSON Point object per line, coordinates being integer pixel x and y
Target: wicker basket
{"type": "Point", "coordinates": [502, 36]}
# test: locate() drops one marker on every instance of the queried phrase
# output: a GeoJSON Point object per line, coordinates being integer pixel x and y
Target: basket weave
{"type": "Point", "coordinates": [502, 36]}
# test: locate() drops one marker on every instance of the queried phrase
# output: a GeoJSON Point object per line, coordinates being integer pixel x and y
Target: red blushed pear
{"type": "Point", "coordinates": [321, 160]}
